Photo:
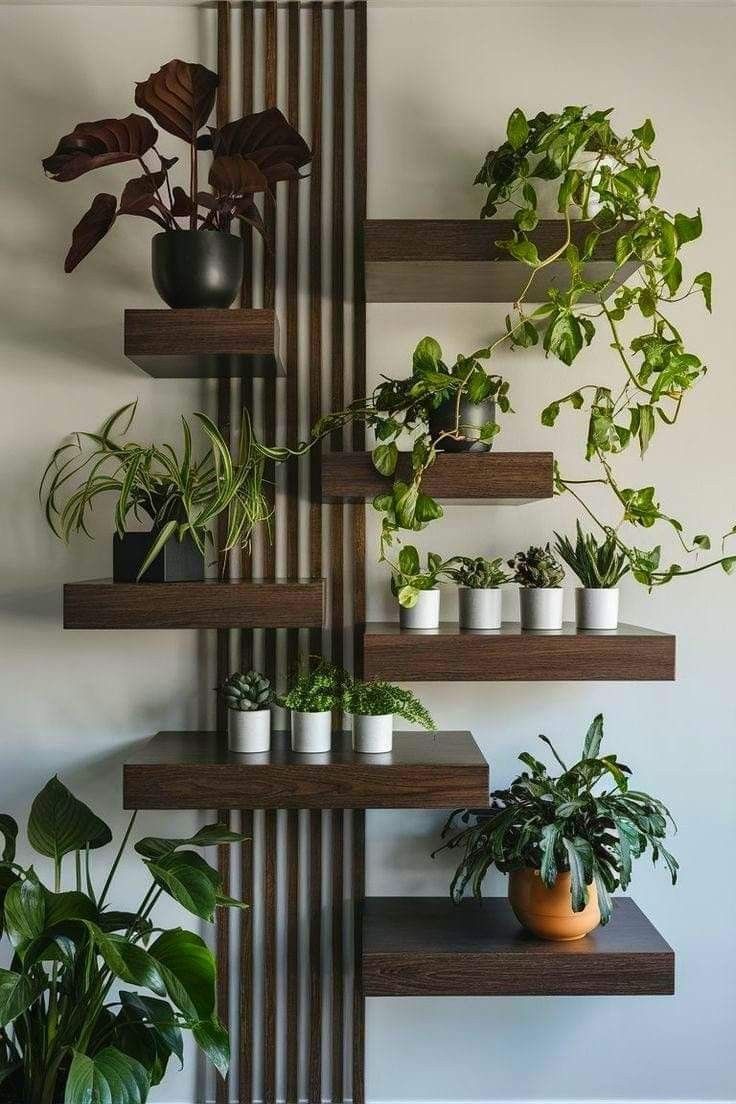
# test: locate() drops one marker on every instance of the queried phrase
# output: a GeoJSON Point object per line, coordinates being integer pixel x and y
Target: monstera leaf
{"type": "Point", "coordinates": [236, 176]}
{"type": "Point", "coordinates": [180, 97]}
{"type": "Point", "coordinates": [267, 139]}
{"type": "Point", "coordinates": [104, 142]}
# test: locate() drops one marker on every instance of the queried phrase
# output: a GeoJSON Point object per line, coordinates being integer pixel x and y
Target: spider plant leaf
{"type": "Point", "coordinates": [121, 507]}
{"type": "Point", "coordinates": [164, 533]}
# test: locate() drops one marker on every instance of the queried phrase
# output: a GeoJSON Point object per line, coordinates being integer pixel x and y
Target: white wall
{"type": "Point", "coordinates": [442, 80]}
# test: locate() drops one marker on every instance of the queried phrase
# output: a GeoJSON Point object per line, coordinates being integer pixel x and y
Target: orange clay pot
{"type": "Point", "coordinates": [548, 912]}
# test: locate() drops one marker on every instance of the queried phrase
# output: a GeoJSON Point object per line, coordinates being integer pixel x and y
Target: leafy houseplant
{"type": "Point", "coordinates": [248, 698]}
{"type": "Point", "coordinates": [415, 588]}
{"type": "Point", "coordinates": [539, 575]}
{"type": "Point", "coordinates": [479, 597]}
{"type": "Point", "coordinates": [311, 698]}
{"type": "Point", "coordinates": [250, 155]}
{"type": "Point", "coordinates": [373, 706]}
{"type": "Point", "coordinates": [65, 1034]}
{"type": "Point", "coordinates": [579, 831]}
{"type": "Point", "coordinates": [599, 565]}
{"type": "Point", "coordinates": [605, 179]}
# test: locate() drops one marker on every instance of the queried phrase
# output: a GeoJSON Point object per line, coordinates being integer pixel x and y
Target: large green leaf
{"type": "Point", "coordinates": [187, 968]}
{"type": "Point", "coordinates": [8, 877]}
{"type": "Point", "coordinates": [9, 832]}
{"type": "Point", "coordinates": [593, 738]}
{"type": "Point", "coordinates": [427, 355]}
{"type": "Point", "coordinates": [109, 1078]}
{"type": "Point", "coordinates": [126, 960]}
{"type": "Point", "coordinates": [189, 880]}
{"type": "Point", "coordinates": [160, 1016]}
{"type": "Point", "coordinates": [17, 993]}
{"type": "Point", "coordinates": [59, 823]}
{"type": "Point", "coordinates": [548, 866]}
{"type": "Point", "coordinates": [213, 1039]}
{"type": "Point", "coordinates": [25, 911]}
{"type": "Point", "coordinates": [211, 835]}
{"type": "Point", "coordinates": [578, 887]}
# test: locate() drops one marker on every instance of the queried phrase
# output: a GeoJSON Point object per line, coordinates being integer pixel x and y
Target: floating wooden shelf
{"type": "Point", "coordinates": [196, 344]}
{"type": "Point", "coordinates": [477, 477]}
{"type": "Point", "coordinates": [426, 946]}
{"type": "Point", "coordinates": [508, 654]}
{"type": "Point", "coordinates": [194, 770]}
{"type": "Point", "coordinates": [458, 261]}
{"type": "Point", "coordinates": [277, 604]}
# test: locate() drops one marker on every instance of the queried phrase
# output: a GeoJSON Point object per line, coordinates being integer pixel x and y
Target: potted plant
{"type": "Point", "coordinates": [416, 590]}
{"type": "Point", "coordinates": [94, 1001]}
{"type": "Point", "coordinates": [311, 698]}
{"type": "Point", "coordinates": [197, 262]}
{"type": "Point", "coordinates": [479, 596]}
{"type": "Point", "coordinates": [373, 706]}
{"type": "Point", "coordinates": [539, 575]}
{"type": "Point", "coordinates": [248, 698]}
{"type": "Point", "coordinates": [599, 565]}
{"type": "Point", "coordinates": [567, 842]}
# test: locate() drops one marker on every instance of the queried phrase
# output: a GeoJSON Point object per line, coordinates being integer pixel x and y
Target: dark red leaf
{"type": "Point", "coordinates": [104, 142]}
{"type": "Point", "coordinates": [236, 176]}
{"type": "Point", "coordinates": [91, 229]}
{"type": "Point", "coordinates": [140, 194]}
{"type": "Point", "coordinates": [205, 141]}
{"type": "Point", "coordinates": [182, 206]}
{"type": "Point", "coordinates": [249, 213]}
{"type": "Point", "coordinates": [167, 162]}
{"type": "Point", "coordinates": [180, 96]}
{"type": "Point", "coordinates": [269, 140]}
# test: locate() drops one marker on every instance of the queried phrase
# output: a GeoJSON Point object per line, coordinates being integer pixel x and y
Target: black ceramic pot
{"type": "Point", "coordinates": [197, 268]}
{"type": "Point", "coordinates": [177, 562]}
{"type": "Point", "coordinates": [472, 417]}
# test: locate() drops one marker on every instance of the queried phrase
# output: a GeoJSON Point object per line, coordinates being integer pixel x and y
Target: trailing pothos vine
{"type": "Point", "coordinates": [603, 180]}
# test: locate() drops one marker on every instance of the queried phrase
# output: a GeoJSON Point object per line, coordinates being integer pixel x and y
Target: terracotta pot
{"type": "Point", "coordinates": [548, 912]}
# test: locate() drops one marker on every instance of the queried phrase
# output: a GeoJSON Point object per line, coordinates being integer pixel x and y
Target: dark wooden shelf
{"type": "Point", "coordinates": [194, 770]}
{"type": "Point", "coordinates": [196, 344]}
{"type": "Point", "coordinates": [508, 654]}
{"type": "Point", "coordinates": [458, 261]}
{"type": "Point", "coordinates": [426, 946]}
{"type": "Point", "coordinates": [276, 604]}
{"type": "Point", "coordinates": [475, 477]}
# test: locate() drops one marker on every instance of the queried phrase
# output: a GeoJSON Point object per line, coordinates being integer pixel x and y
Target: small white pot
{"type": "Point", "coordinates": [311, 733]}
{"type": "Point", "coordinates": [480, 607]}
{"type": "Point", "coordinates": [425, 614]}
{"type": "Point", "coordinates": [596, 608]}
{"type": "Point", "coordinates": [541, 607]}
{"type": "Point", "coordinates": [373, 735]}
{"type": "Point", "coordinates": [248, 733]}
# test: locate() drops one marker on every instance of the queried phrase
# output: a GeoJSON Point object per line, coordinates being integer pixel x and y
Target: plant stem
{"type": "Point", "coordinates": [193, 184]}
{"type": "Point", "coordinates": [117, 859]}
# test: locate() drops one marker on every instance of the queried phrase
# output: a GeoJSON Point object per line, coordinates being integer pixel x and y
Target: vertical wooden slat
{"type": "Point", "coordinates": [223, 636]}
{"type": "Point", "coordinates": [269, 958]}
{"type": "Point", "coordinates": [358, 870]}
{"type": "Point", "coordinates": [338, 1000]}
{"type": "Point", "coordinates": [360, 141]}
{"type": "Point", "coordinates": [292, 332]}
{"type": "Point", "coordinates": [315, 957]}
{"type": "Point", "coordinates": [315, 308]}
{"type": "Point", "coordinates": [292, 956]}
{"type": "Point", "coordinates": [270, 77]}
{"type": "Point", "coordinates": [246, 291]}
{"type": "Point", "coordinates": [245, 1073]}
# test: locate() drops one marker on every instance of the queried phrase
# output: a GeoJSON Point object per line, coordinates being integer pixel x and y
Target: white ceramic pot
{"type": "Point", "coordinates": [248, 733]}
{"type": "Point", "coordinates": [311, 733]}
{"type": "Point", "coordinates": [541, 607]}
{"type": "Point", "coordinates": [425, 614]}
{"type": "Point", "coordinates": [596, 608]}
{"type": "Point", "coordinates": [480, 607]}
{"type": "Point", "coordinates": [373, 735]}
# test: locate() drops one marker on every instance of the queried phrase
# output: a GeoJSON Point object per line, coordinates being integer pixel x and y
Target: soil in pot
{"type": "Point", "coordinates": [177, 562]}
{"type": "Point", "coordinates": [472, 417]}
{"type": "Point", "coordinates": [197, 268]}
{"type": "Point", "coordinates": [548, 913]}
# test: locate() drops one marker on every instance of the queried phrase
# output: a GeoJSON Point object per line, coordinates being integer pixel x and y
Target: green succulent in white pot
{"type": "Point", "coordinates": [479, 582]}
{"type": "Point", "coordinates": [539, 575]}
{"type": "Point", "coordinates": [248, 698]}
{"type": "Point", "coordinates": [599, 565]}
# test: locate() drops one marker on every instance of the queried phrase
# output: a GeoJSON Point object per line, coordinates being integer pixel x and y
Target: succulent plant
{"type": "Point", "coordinates": [247, 693]}
{"type": "Point", "coordinates": [537, 567]}
{"type": "Point", "coordinates": [478, 573]}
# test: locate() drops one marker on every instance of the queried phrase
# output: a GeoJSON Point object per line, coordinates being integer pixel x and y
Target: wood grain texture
{"type": "Point", "coordinates": [314, 1042]}
{"type": "Point", "coordinates": [199, 344]}
{"type": "Point", "coordinates": [315, 306]}
{"type": "Point", "coordinates": [194, 770]}
{"type": "Point", "coordinates": [246, 290]}
{"type": "Point", "coordinates": [292, 954]}
{"type": "Point", "coordinates": [475, 477]}
{"type": "Point", "coordinates": [507, 654]}
{"type": "Point", "coordinates": [338, 976]}
{"type": "Point", "coordinates": [102, 604]}
{"type": "Point", "coordinates": [292, 339]}
{"type": "Point", "coordinates": [360, 201]}
{"type": "Point", "coordinates": [426, 946]}
{"type": "Point", "coordinates": [245, 1075]}
{"type": "Point", "coordinates": [269, 957]}
{"type": "Point", "coordinates": [458, 261]}
{"type": "Point", "coordinates": [358, 868]}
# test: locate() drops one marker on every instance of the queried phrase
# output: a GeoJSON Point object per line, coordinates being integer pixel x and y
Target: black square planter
{"type": "Point", "coordinates": [177, 562]}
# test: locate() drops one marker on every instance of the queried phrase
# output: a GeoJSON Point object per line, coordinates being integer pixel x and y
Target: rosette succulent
{"type": "Point", "coordinates": [247, 693]}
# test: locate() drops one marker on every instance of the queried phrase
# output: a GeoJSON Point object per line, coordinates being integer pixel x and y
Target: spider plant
{"type": "Point", "coordinates": [597, 564]}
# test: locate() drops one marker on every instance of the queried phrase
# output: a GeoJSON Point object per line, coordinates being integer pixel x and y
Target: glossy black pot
{"type": "Point", "coordinates": [177, 562]}
{"type": "Point", "coordinates": [197, 268]}
{"type": "Point", "coordinates": [472, 417]}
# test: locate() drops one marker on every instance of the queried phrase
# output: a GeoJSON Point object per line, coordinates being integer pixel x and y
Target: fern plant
{"type": "Point", "coordinates": [379, 699]}
{"type": "Point", "coordinates": [316, 690]}
{"type": "Point", "coordinates": [585, 820]}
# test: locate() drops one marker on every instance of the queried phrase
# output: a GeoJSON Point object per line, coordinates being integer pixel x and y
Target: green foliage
{"type": "Point", "coordinates": [377, 699]}
{"type": "Point", "coordinates": [596, 563]}
{"type": "Point", "coordinates": [604, 179]}
{"type": "Point", "coordinates": [62, 1035]}
{"type": "Point", "coordinates": [478, 573]}
{"type": "Point", "coordinates": [409, 578]}
{"type": "Point", "coordinates": [586, 820]}
{"type": "Point", "coordinates": [537, 567]}
{"type": "Point", "coordinates": [247, 693]}
{"type": "Point", "coordinates": [316, 690]}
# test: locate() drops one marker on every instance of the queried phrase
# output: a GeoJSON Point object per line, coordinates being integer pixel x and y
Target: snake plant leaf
{"type": "Point", "coordinates": [59, 823]}
{"type": "Point", "coordinates": [187, 968]}
{"type": "Point", "coordinates": [110, 1077]}
{"type": "Point", "coordinates": [17, 994]}
{"type": "Point", "coordinates": [180, 97]}
{"type": "Point", "coordinates": [9, 833]}
{"type": "Point", "coordinates": [212, 835]}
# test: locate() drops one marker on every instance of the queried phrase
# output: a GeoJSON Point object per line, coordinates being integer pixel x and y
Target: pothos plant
{"type": "Point", "coordinates": [71, 1028]}
{"type": "Point", "coordinates": [603, 180]}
